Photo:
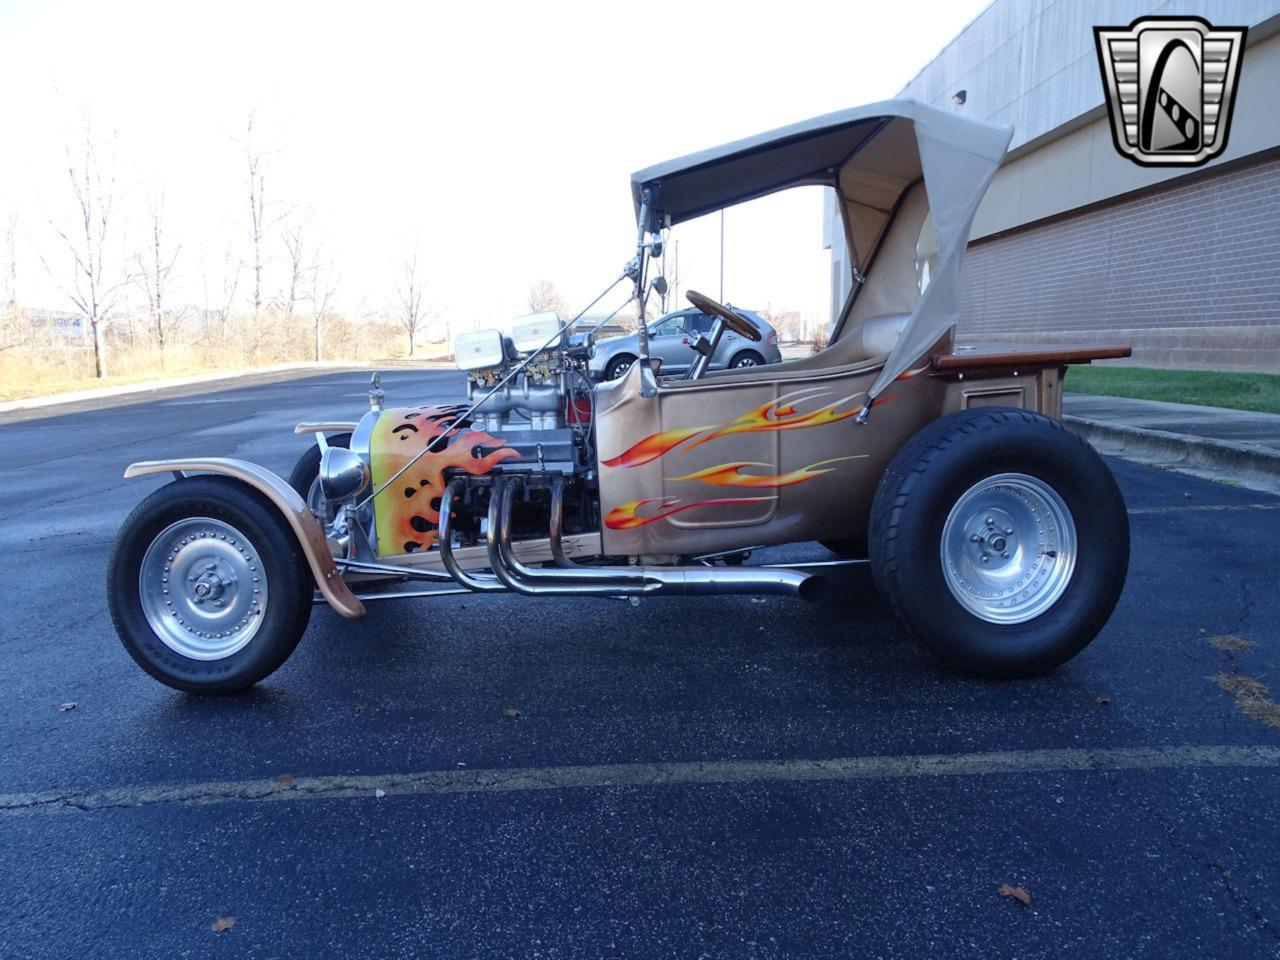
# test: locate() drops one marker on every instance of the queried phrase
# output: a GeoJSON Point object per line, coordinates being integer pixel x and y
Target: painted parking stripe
{"type": "Point", "coordinates": [649, 775]}
{"type": "Point", "coordinates": [1202, 508]}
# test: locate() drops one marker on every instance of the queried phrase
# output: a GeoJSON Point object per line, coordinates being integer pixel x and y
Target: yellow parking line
{"type": "Point", "coordinates": [603, 776]}
{"type": "Point", "coordinates": [1203, 508]}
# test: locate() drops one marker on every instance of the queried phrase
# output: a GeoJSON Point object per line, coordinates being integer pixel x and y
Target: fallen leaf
{"type": "Point", "coordinates": [511, 712]}
{"type": "Point", "coordinates": [284, 779]}
{"type": "Point", "coordinates": [379, 794]}
{"type": "Point", "coordinates": [1253, 697]}
{"type": "Point", "coordinates": [1267, 710]}
{"type": "Point", "coordinates": [64, 707]}
{"type": "Point", "coordinates": [1229, 643]}
{"type": "Point", "coordinates": [222, 923]}
{"type": "Point", "coordinates": [1015, 893]}
{"type": "Point", "coordinates": [1104, 701]}
{"type": "Point", "coordinates": [1243, 688]}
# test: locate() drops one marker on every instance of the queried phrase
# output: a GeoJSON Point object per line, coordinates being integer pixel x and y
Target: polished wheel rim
{"type": "Point", "coordinates": [745, 362]}
{"type": "Point", "coordinates": [1008, 548]}
{"type": "Point", "coordinates": [202, 588]}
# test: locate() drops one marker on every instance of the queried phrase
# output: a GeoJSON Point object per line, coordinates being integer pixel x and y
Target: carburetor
{"type": "Point", "coordinates": [531, 411]}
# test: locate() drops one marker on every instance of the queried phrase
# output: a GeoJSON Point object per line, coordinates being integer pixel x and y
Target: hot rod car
{"type": "Point", "coordinates": [998, 537]}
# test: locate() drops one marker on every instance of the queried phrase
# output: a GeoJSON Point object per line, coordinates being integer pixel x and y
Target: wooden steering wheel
{"type": "Point", "coordinates": [735, 322]}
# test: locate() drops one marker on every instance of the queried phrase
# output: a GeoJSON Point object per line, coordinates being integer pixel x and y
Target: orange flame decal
{"type": "Point", "coordinates": [731, 474]}
{"type": "Point", "coordinates": [652, 447]}
{"type": "Point", "coordinates": [776, 415]}
{"type": "Point", "coordinates": [407, 513]}
{"type": "Point", "coordinates": [781, 414]}
{"type": "Point", "coordinates": [627, 516]}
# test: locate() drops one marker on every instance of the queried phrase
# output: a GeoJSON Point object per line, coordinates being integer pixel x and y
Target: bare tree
{"type": "Point", "coordinates": [409, 288]}
{"type": "Point", "coordinates": [255, 159]}
{"type": "Point", "coordinates": [220, 310]}
{"type": "Point", "coordinates": [671, 271]}
{"type": "Point", "coordinates": [91, 290]}
{"type": "Point", "coordinates": [154, 269]}
{"type": "Point", "coordinates": [543, 295]}
{"type": "Point", "coordinates": [294, 245]}
{"type": "Point", "coordinates": [11, 263]}
{"type": "Point", "coordinates": [323, 285]}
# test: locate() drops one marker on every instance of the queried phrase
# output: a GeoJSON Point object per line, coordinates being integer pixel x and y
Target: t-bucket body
{"type": "Point", "coordinates": [544, 483]}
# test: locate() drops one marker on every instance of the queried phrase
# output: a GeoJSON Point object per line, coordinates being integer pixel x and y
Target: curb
{"type": "Point", "coordinates": [150, 386]}
{"type": "Point", "coordinates": [1257, 468]}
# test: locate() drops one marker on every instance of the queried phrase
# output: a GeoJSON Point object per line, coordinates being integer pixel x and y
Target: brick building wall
{"type": "Point", "coordinates": [1189, 274]}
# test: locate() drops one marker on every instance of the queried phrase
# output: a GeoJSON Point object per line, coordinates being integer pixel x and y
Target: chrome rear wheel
{"type": "Point", "coordinates": [1000, 539]}
{"type": "Point", "coordinates": [1008, 548]}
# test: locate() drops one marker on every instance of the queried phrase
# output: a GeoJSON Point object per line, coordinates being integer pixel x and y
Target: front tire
{"type": "Point", "coordinates": [306, 474]}
{"type": "Point", "coordinates": [207, 586]}
{"type": "Point", "coordinates": [1001, 541]}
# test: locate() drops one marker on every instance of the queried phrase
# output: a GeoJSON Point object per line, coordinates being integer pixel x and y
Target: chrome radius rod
{"type": "Point", "coordinates": [517, 369]}
{"type": "Point", "coordinates": [409, 573]}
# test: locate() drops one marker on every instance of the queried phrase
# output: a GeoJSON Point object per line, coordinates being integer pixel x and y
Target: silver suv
{"type": "Point", "coordinates": [671, 338]}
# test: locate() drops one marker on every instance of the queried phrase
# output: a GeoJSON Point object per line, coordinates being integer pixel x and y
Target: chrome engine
{"type": "Point", "coordinates": [545, 411]}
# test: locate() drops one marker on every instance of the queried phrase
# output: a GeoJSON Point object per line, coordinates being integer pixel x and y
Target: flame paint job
{"type": "Point", "coordinates": [732, 475]}
{"type": "Point", "coordinates": [626, 516]}
{"type": "Point", "coordinates": [652, 447]}
{"type": "Point", "coordinates": [407, 513]}
{"type": "Point", "coordinates": [782, 414]}
{"type": "Point", "coordinates": [774, 416]}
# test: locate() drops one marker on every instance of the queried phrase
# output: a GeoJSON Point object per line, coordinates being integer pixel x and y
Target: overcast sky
{"type": "Point", "coordinates": [498, 137]}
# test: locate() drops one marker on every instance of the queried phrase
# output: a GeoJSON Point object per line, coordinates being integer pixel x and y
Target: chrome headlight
{"type": "Point", "coordinates": [343, 474]}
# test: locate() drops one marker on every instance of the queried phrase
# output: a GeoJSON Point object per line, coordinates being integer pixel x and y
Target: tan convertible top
{"type": "Point", "coordinates": [871, 156]}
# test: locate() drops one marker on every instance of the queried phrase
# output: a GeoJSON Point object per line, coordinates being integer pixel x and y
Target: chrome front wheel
{"type": "Point", "coordinates": [1008, 548]}
{"type": "Point", "coordinates": [207, 585]}
{"type": "Point", "coordinates": [202, 589]}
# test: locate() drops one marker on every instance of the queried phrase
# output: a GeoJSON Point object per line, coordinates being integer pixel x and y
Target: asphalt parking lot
{"type": "Point", "coordinates": [719, 777]}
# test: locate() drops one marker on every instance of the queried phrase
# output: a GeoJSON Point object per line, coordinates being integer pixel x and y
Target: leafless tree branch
{"type": "Point", "coordinates": [409, 288]}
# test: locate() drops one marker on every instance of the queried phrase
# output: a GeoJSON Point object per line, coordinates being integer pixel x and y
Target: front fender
{"type": "Point", "coordinates": [311, 538]}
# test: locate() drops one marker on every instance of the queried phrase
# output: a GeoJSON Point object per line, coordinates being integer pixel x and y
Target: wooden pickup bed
{"type": "Point", "coordinates": [997, 356]}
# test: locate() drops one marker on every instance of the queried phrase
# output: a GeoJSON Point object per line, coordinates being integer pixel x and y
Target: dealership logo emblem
{"type": "Point", "coordinates": [1170, 84]}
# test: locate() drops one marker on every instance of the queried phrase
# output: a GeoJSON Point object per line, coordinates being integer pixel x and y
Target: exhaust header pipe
{"type": "Point", "coordinates": [570, 579]}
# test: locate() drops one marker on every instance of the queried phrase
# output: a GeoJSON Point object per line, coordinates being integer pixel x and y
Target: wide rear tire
{"type": "Point", "coordinates": [1001, 540]}
{"type": "Point", "coordinates": [207, 586]}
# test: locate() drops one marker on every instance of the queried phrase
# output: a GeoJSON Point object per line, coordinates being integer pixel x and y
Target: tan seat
{"type": "Point", "coordinates": [865, 347]}
{"type": "Point", "coordinates": [874, 337]}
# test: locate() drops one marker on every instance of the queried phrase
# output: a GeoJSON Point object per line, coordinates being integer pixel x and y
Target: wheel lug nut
{"type": "Point", "coordinates": [1005, 555]}
{"type": "Point", "coordinates": [990, 522]}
